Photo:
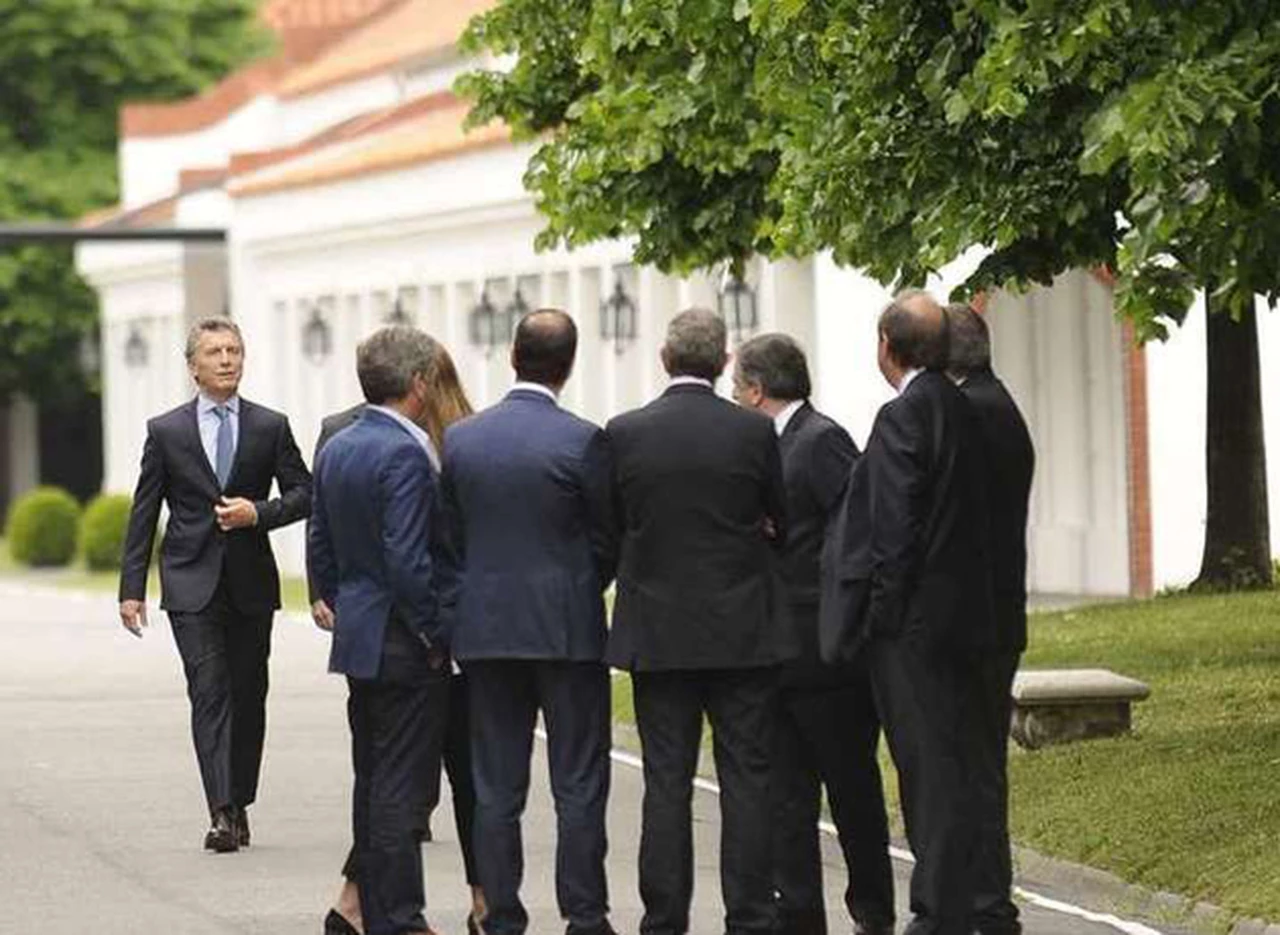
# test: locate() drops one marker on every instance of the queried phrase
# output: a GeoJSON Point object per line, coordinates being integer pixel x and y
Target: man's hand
{"type": "Point", "coordinates": [235, 513]}
{"type": "Point", "coordinates": [769, 528]}
{"type": "Point", "coordinates": [133, 614]}
{"type": "Point", "coordinates": [323, 616]}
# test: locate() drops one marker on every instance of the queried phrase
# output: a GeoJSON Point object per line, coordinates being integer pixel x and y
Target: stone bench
{"type": "Point", "coordinates": [1053, 706]}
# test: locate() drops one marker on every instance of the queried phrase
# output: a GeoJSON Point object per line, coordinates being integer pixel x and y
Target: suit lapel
{"type": "Point", "coordinates": [191, 423]}
{"type": "Point", "coordinates": [242, 441]}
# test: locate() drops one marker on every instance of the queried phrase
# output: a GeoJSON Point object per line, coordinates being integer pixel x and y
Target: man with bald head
{"type": "Point", "coordinates": [527, 491]}
{"type": "Point", "coordinates": [918, 526]}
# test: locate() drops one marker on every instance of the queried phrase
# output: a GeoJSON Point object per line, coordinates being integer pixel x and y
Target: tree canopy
{"type": "Point", "coordinates": [1143, 135]}
{"type": "Point", "coordinates": [69, 65]}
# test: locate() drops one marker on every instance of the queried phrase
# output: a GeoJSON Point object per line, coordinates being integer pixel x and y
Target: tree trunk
{"type": "Point", "coordinates": [1237, 537]}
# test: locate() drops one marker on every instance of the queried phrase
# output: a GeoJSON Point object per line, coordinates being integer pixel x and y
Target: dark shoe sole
{"type": "Point", "coordinates": [336, 924]}
{"type": "Point", "coordinates": [224, 843]}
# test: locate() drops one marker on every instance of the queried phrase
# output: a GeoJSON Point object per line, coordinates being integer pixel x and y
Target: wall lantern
{"type": "Point", "coordinates": [317, 338]}
{"type": "Point", "coordinates": [90, 354]}
{"type": "Point", "coordinates": [736, 303]}
{"type": "Point", "coordinates": [618, 318]}
{"type": "Point", "coordinates": [398, 316]}
{"type": "Point", "coordinates": [516, 309]}
{"type": "Point", "coordinates": [482, 324]}
{"type": "Point", "coordinates": [136, 350]}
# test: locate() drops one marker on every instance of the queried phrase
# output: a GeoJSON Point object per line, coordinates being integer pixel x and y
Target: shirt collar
{"type": "Point", "coordinates": [205, 405]}
{"type": "Point", "coordinates": [691, 381]}
{"type": "Point", "coordinates": [415, 431]}
{"type": "Point", "coordinates": [781, 420]}
{"type": "Point", "coordinates": [907, 378]}
{"type": "Point", "coordinates": [526, 386]}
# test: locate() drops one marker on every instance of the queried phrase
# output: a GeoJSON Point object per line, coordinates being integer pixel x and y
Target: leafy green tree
{"type": "Point", "coordinates": [1140, 135]}
{"type": "Point", "coordinates": [69, 65]}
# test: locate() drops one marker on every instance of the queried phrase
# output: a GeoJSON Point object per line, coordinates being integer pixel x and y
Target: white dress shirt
{"type": "Point", "coordinates": [691, 381]}
{"type": "Point", "coordinates": [536, 388]}
{"type": "Point", "coordinates": [415, 431]}
{"type": "Point", "coordinates": [781, 420]}
{"type": "Point", "coordinates": [208, 422]}
{"type": "Point", "coordinates": [907, 378]}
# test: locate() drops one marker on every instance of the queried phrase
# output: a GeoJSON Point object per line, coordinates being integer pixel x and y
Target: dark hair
{"type": "Point", "coordinates": [917, 337]}
{"type": "Point", "coordinates": [545, 345]}
{"type": "Point", "coordinates": [388, 359]}
{"type": "Point", "coordinates": [775, 363]}
{"type": "Point", "coordinates": [695, 345]}
{"type": "Point", "coordinates": [969, 348]}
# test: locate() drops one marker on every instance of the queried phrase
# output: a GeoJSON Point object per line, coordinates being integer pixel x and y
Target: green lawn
{"type": "Point", "coordinates": [1190, 801]}
{"type": "Point", "coordinates": [293, 591]}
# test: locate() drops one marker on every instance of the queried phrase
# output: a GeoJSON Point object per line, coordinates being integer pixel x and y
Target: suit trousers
{"type": "Point", "coordinates": [457, 764]}
{"type": "Point", "coordinates": [828, 735]}
{"type": "Point", "coordinates": [574, 697]}
{"type": "Point", "coordinates": [930, 705]}
{"type": "Point", "coordinates": [741, 705]}
{"type": "Point", "coordinates": [994, 909]}
{"type": "Point", "coordinates": [224, 657]}
{"type": "Point", "coordinates": [398, 723]}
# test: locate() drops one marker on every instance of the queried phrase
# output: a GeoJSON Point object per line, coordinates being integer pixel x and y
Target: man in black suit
{"type": "Point", "coordinates": [702, 508]}
{"type": "Point", "coordinates": [527, 493]}
{"type": "Point", "coordinates": [917, 526]}
{"type": "Point", "coordinates": [828, 731]}
{"type": "Point", "coordinates": [1010, 464]}
{"type": "Point", "coordinates": [212, 460]}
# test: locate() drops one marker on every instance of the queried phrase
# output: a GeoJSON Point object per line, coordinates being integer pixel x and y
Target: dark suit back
{"type": "Point", "coordinates": [531, 524]}
{"type": "Point", "coordinates": [330, 426]}
{"type": "Point", "coordinates": [696, 479]}
{"type": "Point", "coordinates": [929, 547]}
{"type": "Point", "coordinates": [195, 554]}
{"type": "Point", "coordinates": [1010, 463]}
{"type": "Point", "coordinates": [369, 546]}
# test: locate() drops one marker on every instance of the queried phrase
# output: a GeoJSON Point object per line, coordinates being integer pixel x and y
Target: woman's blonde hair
{"type": "Point", "coordinates": [447, 401]}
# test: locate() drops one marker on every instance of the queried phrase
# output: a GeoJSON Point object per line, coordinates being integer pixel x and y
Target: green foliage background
{"type": "Point", "coordinates": [41, 528]}
{"type": "Point", "coordinates": [102, 531]}
{"type": "Point", "coordinates": [69, 65]}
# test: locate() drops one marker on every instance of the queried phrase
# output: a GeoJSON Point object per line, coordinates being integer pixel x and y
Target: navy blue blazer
{"type": "Point", "coordinates": [370, 543]}
{"type": "Point", "coordinates": [528, 503]}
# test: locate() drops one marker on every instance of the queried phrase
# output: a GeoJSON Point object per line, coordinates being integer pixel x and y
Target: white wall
{"type": "Point", "coordinates": [302, 117]}
{"type": "Point", "coordinates": [1176, 388]}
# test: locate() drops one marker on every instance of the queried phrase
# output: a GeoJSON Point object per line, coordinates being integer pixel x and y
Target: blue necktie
{"type": "Point", "coordinates": [224, 450]}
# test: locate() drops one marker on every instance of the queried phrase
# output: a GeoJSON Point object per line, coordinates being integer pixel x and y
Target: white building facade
{"type": "Point", "coordinates": [351, 196]}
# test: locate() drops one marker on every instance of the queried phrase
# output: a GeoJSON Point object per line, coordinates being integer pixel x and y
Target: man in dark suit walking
{"type": "Point", "coordinates": [699, 483]}
{"type": "Point", "coordinates": [828, 731]}
{"type": "Point", "coordinates": [212, 461]}
{"type": "Point", "coordinates": [921, 537]}
{"type": "Point", "coordinates": [527, 491]}
{"type": "Point", "coordinates": [1010, 464]}
{"type": "Point", "coordinates": [370, 552]}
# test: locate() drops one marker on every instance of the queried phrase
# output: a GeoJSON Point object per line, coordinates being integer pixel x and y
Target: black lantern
{"type": "Point", "coordinates": [516, 309]}
{"type": "Point", "coordinates": [618, 318]}
{"type": "Point", "coordinates": [317, 338]}
{"type": "Point", "coordinates": [398, 316]}
{"type": "Point", "coordinates": [136, 351]}
{"type": "Point", "coordinates": [737, 306]}
{"type": "Point", "coordinates": [482, 325]}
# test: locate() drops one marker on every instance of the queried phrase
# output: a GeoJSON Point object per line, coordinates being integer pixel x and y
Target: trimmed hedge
{"type": "Point", "coordinates": [42, 527]}
{"type": "Point", "coordinates": [102, 531]}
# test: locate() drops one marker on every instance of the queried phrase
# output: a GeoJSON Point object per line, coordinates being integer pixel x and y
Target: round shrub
{"type": "Point", "coordinates": [102, 529]}
{"type": "Point", "coordinates": [42, 527]}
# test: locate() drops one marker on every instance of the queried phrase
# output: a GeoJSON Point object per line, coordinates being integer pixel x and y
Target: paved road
{"type": "Point", "coordinates": [101, 812]}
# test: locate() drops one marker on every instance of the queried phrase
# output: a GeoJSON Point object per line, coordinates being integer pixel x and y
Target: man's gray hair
{"type": "Point", "coordinates": [969, 350]}
{"type": "Point", "coordinates": [776, 364]}
{"type": "Point", "coordinates": [695, 345]}
{"type": "Point", "coordinates": [387, 360]}
{"type": "Point", "coordinates": [213, 323]}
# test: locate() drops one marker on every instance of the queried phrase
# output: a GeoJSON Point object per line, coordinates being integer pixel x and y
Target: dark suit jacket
{"type": "Point", "coordinates": [696, 479]}
{"type": "Point", "coordinates": [530, 514]}
{"type": "Point", "coordinates": [912, 557]}
{"type": "Point", "coordinates": [1010, 463]}
{"type": "Point", "coordinates": [817, 458]}
{"type": "Point", "coordinates": [330, 426]}
{"type": "Point", "coordinates": [369, 546]}
{"type": "Point", "coordinates": [195, 554]}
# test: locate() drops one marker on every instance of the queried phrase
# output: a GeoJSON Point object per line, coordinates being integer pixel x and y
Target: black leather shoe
{"type": "Point", "coordinates": [221, 837]}
{"type": "Point", "coordinates": [336, 924]}
{"type": "Point", "coordinates": [242, 827]}
{"type": "Point", "coordinates": [860, 928]}
{"type": "Point", "coordinates": [602, 928]}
